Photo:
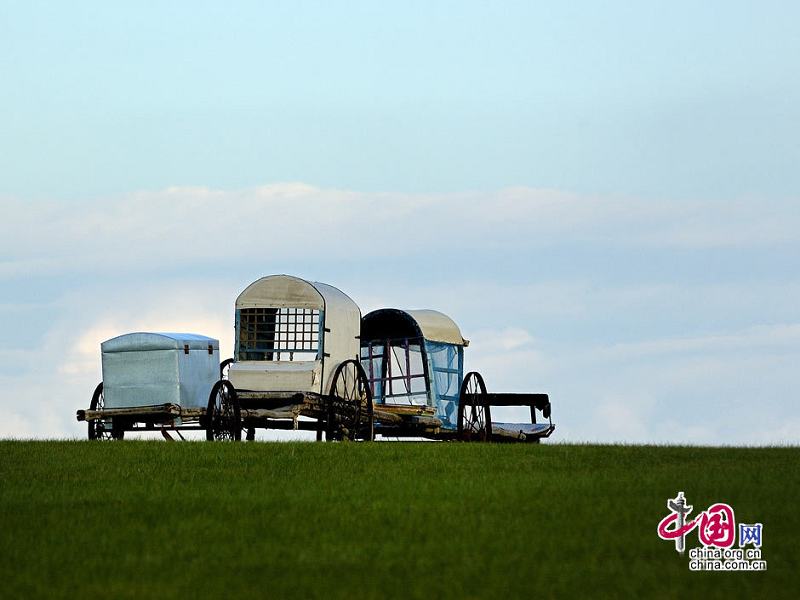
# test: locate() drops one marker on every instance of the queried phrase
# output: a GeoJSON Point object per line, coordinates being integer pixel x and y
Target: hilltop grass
{"type": "Point", "coordinates": [152, 519]}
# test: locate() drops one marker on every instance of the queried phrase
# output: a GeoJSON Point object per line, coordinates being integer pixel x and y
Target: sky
{"type": "Point", "coordinates": [604, 196]}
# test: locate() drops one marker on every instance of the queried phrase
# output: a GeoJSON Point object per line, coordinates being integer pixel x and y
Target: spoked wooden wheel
{"type": "Point", "coordinates": [224, 367]}
{"type": "Point", "coordinates": [223, 416]}
{"type": "Point", "coordinates": [97, 429]}
{"type": "Point", "coordinates": [350, 404]}
{"type": "Point", "coordinates": [474, 414]}
{"type": "Point", "coordinates": [224, 370]}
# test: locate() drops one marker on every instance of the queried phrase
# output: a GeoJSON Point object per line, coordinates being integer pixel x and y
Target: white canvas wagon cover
{"type": "Point", "coordinates": [432, 325]}
{"type": "Point", "coordinates": [437, 327]}
{"type": "Point", "coordinates": [146, 369]}
{"type": "Point", "coordinates": [340, 329]}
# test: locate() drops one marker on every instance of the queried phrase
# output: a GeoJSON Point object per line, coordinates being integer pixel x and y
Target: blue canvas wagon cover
{"type": "Point", "coordinates": [434, 378]}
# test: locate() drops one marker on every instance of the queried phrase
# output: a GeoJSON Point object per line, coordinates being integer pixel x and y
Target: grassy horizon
{"type": "Point", "coordinates": [295, 519]}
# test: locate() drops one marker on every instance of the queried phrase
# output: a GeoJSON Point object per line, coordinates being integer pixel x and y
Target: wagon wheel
{"type": "Point", "coordinates": [97, 431]}
{"type": "Point", "coordinates": [350, 404]}
{"type": "Point", "coordinates": [475, 418]}
{"type": "Point", "coordinates": [224, 367]}
{"type": "Point", "coordinates": [223, 417]}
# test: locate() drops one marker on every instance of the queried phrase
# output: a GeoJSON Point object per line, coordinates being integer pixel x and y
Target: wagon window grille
{"type": "Point", "coordinates": [278, 334]}
{"type": "Point", "coordinates": [395, 370]}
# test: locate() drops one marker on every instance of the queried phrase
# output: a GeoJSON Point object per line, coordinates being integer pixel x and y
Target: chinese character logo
{"type": "Point", "coordinates": [678, 511]}
{"type": "Point", "coordinates": [716, 526]}
{"type": "Point", "coordinates": [716, 531]}
{"type": "Point", "coordinates": [750, 534]}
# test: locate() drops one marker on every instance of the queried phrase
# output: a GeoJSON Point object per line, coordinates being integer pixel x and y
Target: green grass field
{"type": "Point", "coordinates": [153, 519]}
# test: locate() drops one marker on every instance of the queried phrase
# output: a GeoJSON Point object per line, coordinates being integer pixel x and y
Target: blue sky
{"type": "Point", "coordinates": [652, 98]}
{"type": "Point", "coordinates": [603, 195]}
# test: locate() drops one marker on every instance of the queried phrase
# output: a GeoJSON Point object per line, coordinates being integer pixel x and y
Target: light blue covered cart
{"type": "Point", "coordinates": [153, 382]}
{"type": "Point", "coordinates": [414, 361]}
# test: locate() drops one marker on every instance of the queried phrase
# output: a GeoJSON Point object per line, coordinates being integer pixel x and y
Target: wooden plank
{"type": "Point", "coordinates": [278, 400]}
{"type": "Point", "coordinates": [290, 425]}
{"type": "Point", "coordinates": [508, 435]}
{"type": "Point", "coordinates": [520, 431]}
{"type": "Point", "coordinates": [508, 399]}
{"type": "Point", "coordinates": [286, 412]}
{"type": "Point", "coordinates": [425, 421]}
{"type": "Point", "coordinates": [193, 413]}
{"type": "Point", "coordinates": [406, 409]}
{"type": "Point", "coordinates": [295, 397]}
{"type": "Point", "coordinates": [386, 416]}
{"type": "Point", "coordinates": [158, 410]}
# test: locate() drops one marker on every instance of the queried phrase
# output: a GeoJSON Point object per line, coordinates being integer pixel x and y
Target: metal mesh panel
{"type": "Point", "coordinates": [278, 334]}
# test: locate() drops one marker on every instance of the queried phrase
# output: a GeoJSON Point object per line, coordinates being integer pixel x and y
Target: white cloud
{"type": "Point", "coordinates": [784, 336]}
{"type": "Point", "coordinates": [293, 220]}
{"type": "Point", "coordinates": [16, 426]}
{"type": "Point", "coordinates": [622, 418]}
{"type": "Point", "coordinates": [778, 432]}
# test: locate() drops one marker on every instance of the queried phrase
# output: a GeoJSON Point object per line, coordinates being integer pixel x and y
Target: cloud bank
{"type": "Point", "coordinates": [646, 320]}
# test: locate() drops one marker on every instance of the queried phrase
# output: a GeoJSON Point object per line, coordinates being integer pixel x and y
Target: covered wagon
{"type": "Point", "coordinates": [295, 362]}
{"type": "Point", "coordinates": [414, 361]}
{"type": "Point", "coordinates": [152, 381]}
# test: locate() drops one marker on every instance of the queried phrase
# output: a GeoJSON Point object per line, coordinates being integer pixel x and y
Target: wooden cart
{"type": "Point", "coordinates": [414, 361]}
{"type": "Point", "coordinates": [304, 359]}
{"type": "Point", "coordinates": [153, 382]}
{"type": "Point", "coordinates": [295, 364]}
